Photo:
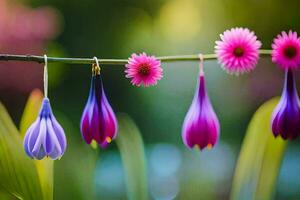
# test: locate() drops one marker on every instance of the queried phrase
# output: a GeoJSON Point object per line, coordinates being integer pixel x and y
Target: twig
{"type": "Point", "coordinates": [40, 59]}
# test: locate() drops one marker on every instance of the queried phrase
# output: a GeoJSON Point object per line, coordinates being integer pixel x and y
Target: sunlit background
{"type": "Point", "coordinates": [116, 29]}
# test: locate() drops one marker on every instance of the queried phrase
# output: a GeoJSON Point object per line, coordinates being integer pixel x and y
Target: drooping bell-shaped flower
{"type": "Point", "coordinates": [286, 116]}
{"type": "Point", "coordinates": [45, 137]}
{"type": "Point", "coordinates": [201, 126]}
{"type": "Point", "coordinates": [98, 121]}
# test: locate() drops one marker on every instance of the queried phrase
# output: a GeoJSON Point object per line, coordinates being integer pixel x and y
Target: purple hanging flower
{"type": "Point", "coordinates": [286, 116]}
{"type": "Point", "coordinates": [45, 137]}
{"type": "Point", "coordinates": [98, 121]}
{"type": "Point", "coordinates": [201, 126]}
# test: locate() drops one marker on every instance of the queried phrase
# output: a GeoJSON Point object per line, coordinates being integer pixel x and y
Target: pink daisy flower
{"type": "Point", "coordinates": [286, 50]}
{"type": "Point", "coordinates": [238, 50]}
{"type": "Point", "coordinates": [143, 70]}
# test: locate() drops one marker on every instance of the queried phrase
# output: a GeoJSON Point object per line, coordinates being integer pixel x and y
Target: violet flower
{"type": "Point", "coordinates": [98, 121]}
{"type": "Point", "coordinates": [286, 116]}
{"type": "Point", "coordinates": [201, 126]}
{"type": "Point", "coordinates": [45, 137]}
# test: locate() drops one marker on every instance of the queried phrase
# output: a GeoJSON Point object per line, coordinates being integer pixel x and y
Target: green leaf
{"type": "Point", "coordinates": [130, 144]}
{"type": "Point", "coordinates": [18, 174]}
{"type": "Point", "coordinates": [45, 170]}
{"type": "Point", "coordinates": [260, 158]}
{"type": "Point", "coordinates": [44, 167]}
{"type": "Point", "coordinates": [270, 168]}
{"type": "Point", "coordinates": [5, 195]}
{"type": "Point", "coordinates": [75, 172]}
{"type": "Point", "coordinates": [31, 110]}
{"type": "Point", "coordinates": [57, 69]}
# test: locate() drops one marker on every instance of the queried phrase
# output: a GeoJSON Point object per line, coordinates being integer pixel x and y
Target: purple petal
{"type": "Point", "coordinates": [49, 142]}
{"type": "Point", "coordinates": [85, 127]}
{"type": "Point", "coordinates": [33, 134]}
{"type": "Point", "coordinates": [60, 134]}
{"type": "Point", "coordinates": [109, 118]}
{"type": "Point", "coordinates": [38, 149]}
{"type": "Point", "coordinates": [25, 144]}
{"type": "Point", "coordinates": [96, 124]}
{"type": "Point", "coordinates": [40, 154]}
{"type": "Point", "coordinates": [56, 151]}
{"type": "Point", "coordinates": [46, 110]}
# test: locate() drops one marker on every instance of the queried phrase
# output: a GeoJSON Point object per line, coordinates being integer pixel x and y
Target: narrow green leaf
{"type": "Point", "coordinates": [75, 172]}
{"type": "Point", "coordinates": [260, 158]}
{"type": "Point", "coordinates": [18, 174]}
{"type": "Point", "coordinates": [270, 168]}
{"type": "Point", "coordinates": [44, 167]}
{"type": "Point", "coordinates": [5, 195]}
{"type": "Point", "coordinates": [31, 110]}
{"type": "Point", "coordinates": [130, 144]}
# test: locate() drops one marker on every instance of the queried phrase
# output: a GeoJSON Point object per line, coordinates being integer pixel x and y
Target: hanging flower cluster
{"type": "Point", "coordinates": [45, 137]}
{"type": "Point", "coordinates": [201, 126]}
{"type": "Point", "coordinates": [98, 121]}
{"type": "Point", "coordinates": [286, 116]}
{"type": "Point", "coordinates": [237, 52]}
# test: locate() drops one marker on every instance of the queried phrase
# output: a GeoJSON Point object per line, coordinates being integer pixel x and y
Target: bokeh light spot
{"type": "Point", "coordinates": [180, 20]}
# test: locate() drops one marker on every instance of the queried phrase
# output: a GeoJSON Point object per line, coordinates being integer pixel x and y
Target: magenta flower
{"type": "Point", "coordinates": [286, 50]}
{"type": "Point", "coordinates": [143, 70]}
{"type": "Point", "coordinates": [98, 121]}
{"type": "Point", "coordinates": [286, 116]}
{"type": "Point", "coordinates": [45, 137]}
{"type": "Point", "coordinates": [238, 50]}
{"type": "Point", "coordinates": [201, 126]}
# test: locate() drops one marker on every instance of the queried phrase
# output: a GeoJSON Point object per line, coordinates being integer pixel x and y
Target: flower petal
{"type": "Point", "coordinates": [56, 151]}
{"type": "Point", "coordinates": [38, 150]}
{"type": "Point", "coordinates": [60, 134]}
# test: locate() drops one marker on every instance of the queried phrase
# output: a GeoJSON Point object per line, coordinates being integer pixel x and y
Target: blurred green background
{"type": "Point", "coordinates": [118, 28]}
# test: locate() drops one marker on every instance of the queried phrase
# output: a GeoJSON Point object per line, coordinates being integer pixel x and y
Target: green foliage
{"type": "Point", "coordinates": [44, 167]}
{"type": "Point", "coordinates": [130, 144]}
{"type": "Point", "coordinates": [75, 172]}
{"type": "Point", "coordinates": [260, 158]}
{"type": "Point", "coordinates": [74, 177]}
{"type": "Point", "coordinates": [58, 70]}
{"type": "Point", "coordinates": [20, 176]}
{"type": "Point", "coordinates": [18, 173]}
{"type": "Point", "coordinates": [6, 196]}
{"type": "Point", "coordinates": [31, 110]}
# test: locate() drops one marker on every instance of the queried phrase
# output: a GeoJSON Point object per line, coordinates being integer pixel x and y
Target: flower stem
{"type": "Point", "coordinates": [46, 76]}
{"type": "Point", "coordinates": [40, 59]}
